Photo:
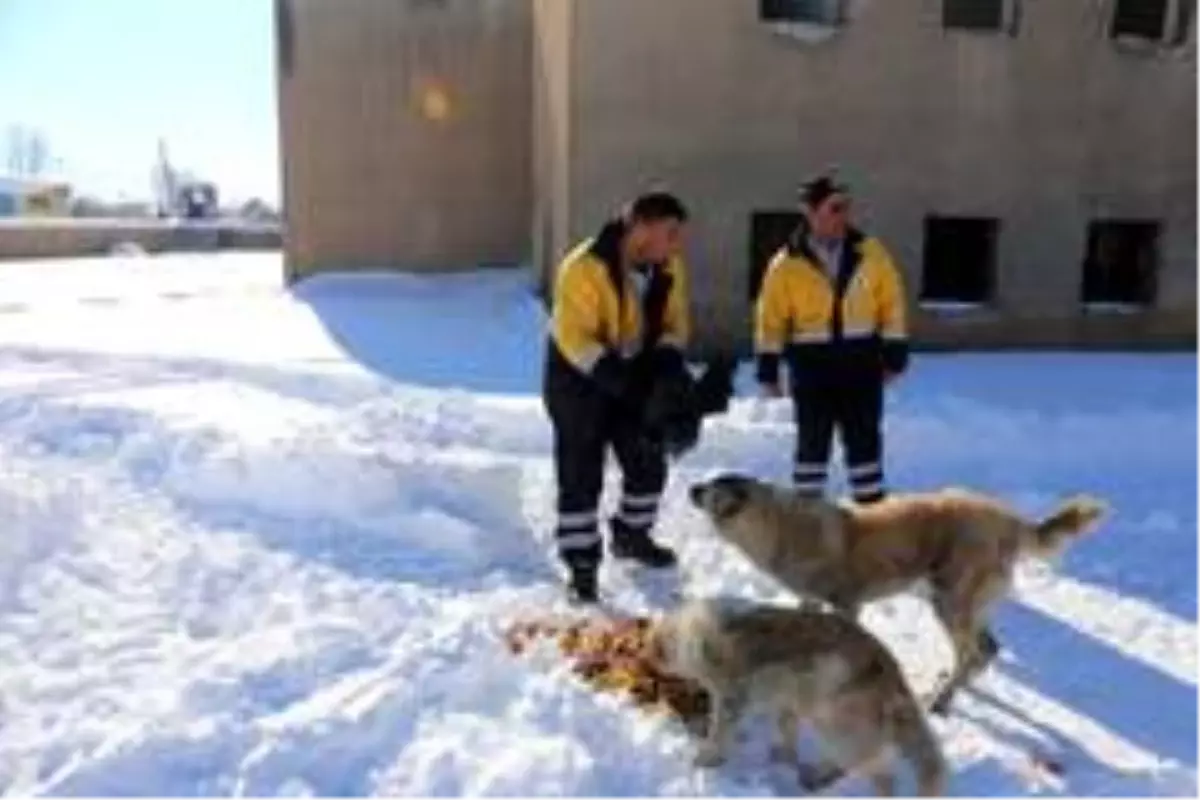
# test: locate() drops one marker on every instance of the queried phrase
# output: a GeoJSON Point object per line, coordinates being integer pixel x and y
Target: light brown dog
{"type": "Point", "coordinates": [802, 666]}
{"type": "Point", "coordinates": [963, 544]}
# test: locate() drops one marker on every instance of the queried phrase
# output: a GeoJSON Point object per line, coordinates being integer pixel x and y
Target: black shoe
{"type": "Point", "coordinates": [581, 586]}
{"type": "Point", "coordinates": [641, 548]}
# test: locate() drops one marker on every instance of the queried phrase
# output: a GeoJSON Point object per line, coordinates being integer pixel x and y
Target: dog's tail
{"type": "Point", "coordinates": [1074, 517]}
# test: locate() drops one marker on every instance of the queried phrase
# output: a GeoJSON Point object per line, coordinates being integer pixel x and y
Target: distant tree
{"type": "Point", "coordinates": [28, 152]}
{"type": "Point", "coordinates": [258, 210]}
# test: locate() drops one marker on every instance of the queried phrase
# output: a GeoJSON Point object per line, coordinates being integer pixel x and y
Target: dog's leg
{"type": "Point", "coordinates": [989, 648]}
{"type": "Point", "coordinates": [974, 648]}
{"type": "Point", "coordinates": [810, 604]}
{"type": "Point", "coordinates": [850, 608]}
{"type": "Point", "coordinates": [819, 776]}
{"type": "Point", "coordinates": [958, 678]}
{"type": "Point", "coordinates": [884, 780]}
{"type": "Point", "coordinates": [846, 602]}
{"type": "Point", "coordinates": [784, 749]}
{"type": "Point", "coordinates": [726, 709]}
{"type": "Point", "coordinates": [850, 743]}
{"type": "Point", "coordinates": [914, 741]}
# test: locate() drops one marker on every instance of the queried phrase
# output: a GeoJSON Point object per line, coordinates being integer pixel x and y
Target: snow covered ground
{"type": "Point", "coordinates": [262, 542]}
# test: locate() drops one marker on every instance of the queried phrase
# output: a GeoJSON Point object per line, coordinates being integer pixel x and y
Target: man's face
{"type": "Point", "coordinates": [830, 219]}
{"type": "Point", "coordinates": [655, 242]}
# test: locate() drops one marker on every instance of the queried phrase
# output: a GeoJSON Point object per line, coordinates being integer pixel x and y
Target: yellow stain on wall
{"type": "Point", "coordinates": [435, 103]}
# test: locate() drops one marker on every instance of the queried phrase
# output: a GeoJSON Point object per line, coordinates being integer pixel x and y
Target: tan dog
{"type": "Point", "coordinates": [812, 666]}
{"type": "Point", "coordinates": [964, 544]}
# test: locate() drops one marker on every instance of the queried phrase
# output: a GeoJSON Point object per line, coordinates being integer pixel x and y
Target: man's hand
{"type": "Point", "coordinates": [889, 377]}
{"type": "Point", "coordinates": [770, 389]}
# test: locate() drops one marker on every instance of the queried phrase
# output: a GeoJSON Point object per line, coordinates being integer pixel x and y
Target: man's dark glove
{"type": "Point", "coordinates": [766, 369]}
{"type": "Point", "coordinates": [666, 361]}
{"type": "Point", "coordinates": [895, 356]}
{"type": "Point", "coordinates": [611, 375]}
{"type": "Point", "coordinates": [677, 404]}
{"type": "Point", "coordinates": [715, 387]}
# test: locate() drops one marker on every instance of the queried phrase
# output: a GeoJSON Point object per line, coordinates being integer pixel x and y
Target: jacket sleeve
{"type": "Point", "coordinates": [771, 322]}
{"type": "Point", "coordinates": [892, 319]}
{"type": "Point", "coordinates": [575, 326]}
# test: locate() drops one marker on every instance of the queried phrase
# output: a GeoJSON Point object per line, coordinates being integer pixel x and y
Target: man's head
{"type": "Point", "coordinates": [654, 227]}
{"type": "Point", "coordinates": [827, 206]}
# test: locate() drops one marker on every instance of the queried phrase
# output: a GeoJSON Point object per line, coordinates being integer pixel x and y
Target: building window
{"type": "Point", "coordinates": [973, 15]}
{"type": "Point", "coordinates": [1121, 263]}
{"type": "Point", "coordinates": [769, 231]}
{"type": "Point", "coordinates": [1152, 20]}
{"type": "Point", "coordinates": [811, 12]}
{"type": "Point", "coordinates": [959, 265]}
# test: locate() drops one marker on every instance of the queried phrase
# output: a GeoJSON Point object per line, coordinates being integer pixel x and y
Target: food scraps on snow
{"type": "Point", "coordinates": [615, 656]}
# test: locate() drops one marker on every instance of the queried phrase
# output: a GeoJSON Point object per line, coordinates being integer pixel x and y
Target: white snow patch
{"type": "Point", "coordinates": [264, 541]}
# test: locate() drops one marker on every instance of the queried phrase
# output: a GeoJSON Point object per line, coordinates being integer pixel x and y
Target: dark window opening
{"type": "Point", "coordinates": [817, 12]}
{"type": "Point", "coordinates": [1146, 19]}
{"type": "Point", "coordinates": [959, 262]}
{"type": "Point", "coordinates": [1121, 263]}
{"type": "Point", "coordinates": [769, 231]}
{"type": "Point", "coordinates": [1184, 10]}
{"type": "Point", "coordinates": [975, 15]}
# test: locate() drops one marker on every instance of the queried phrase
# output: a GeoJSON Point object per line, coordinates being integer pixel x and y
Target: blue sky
{"type": "Point", "coordinates": [104, 79]}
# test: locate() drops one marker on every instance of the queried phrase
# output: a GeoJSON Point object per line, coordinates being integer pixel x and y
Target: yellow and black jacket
{"type": "Point", "coordinates": [608, 327]}
{"type": "Point", "coordinates": [849, 328]}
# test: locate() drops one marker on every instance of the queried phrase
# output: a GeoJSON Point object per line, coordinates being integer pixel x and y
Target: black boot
{"type": "Point", "coordinates": [581, 585]}
{"type": "Point", "coordinates": [635, 544]}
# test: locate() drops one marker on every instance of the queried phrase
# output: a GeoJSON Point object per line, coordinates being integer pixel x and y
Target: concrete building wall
{"type": "Point", "coordinates": [67, 237]}
{"type": "Point", "coordinates": [1045, 130]}
{"type": "Point", "coordinates": [405, 130]}
{"type": "Point", "coordinates": [553, 43]}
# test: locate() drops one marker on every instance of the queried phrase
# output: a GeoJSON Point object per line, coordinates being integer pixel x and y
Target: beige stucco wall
{"type": "Point", "coordinates": [377, 171]}
{"type": "Point", "coordinates": [1044, 130]}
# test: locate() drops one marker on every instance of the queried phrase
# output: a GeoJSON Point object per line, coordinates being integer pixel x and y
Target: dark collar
{"type": "Point", "coordinates": [798, 242]}
{"type": "Point", "coordinates": [607, 246]}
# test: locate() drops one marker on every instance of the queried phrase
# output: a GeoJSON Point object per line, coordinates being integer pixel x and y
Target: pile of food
{"type": "Point", "coordinates": [613, 655]}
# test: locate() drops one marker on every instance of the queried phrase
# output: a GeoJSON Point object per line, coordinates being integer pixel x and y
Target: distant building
{"type": "Point", "coordinates": [1032, 163]}
{"type": "Point", "coordinates": [27, 197]}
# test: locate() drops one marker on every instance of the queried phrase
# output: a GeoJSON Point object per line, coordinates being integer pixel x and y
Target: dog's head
{"type": "Point", "coordinates": [676, 641]}
{"type": "Point", "coordinates": [724, 497]}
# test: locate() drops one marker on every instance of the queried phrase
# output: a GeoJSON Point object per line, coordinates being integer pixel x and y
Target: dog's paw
{"type": "Point", "coordinates": [709, 754]}
{"type": "Point", "coordinates": [941, 704]}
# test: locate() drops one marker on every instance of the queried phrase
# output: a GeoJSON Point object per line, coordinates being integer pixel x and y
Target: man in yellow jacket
{"type": "Point", "coordinates": [832, 308]}
{"type": "Point", "coordinates": [619, 319]}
